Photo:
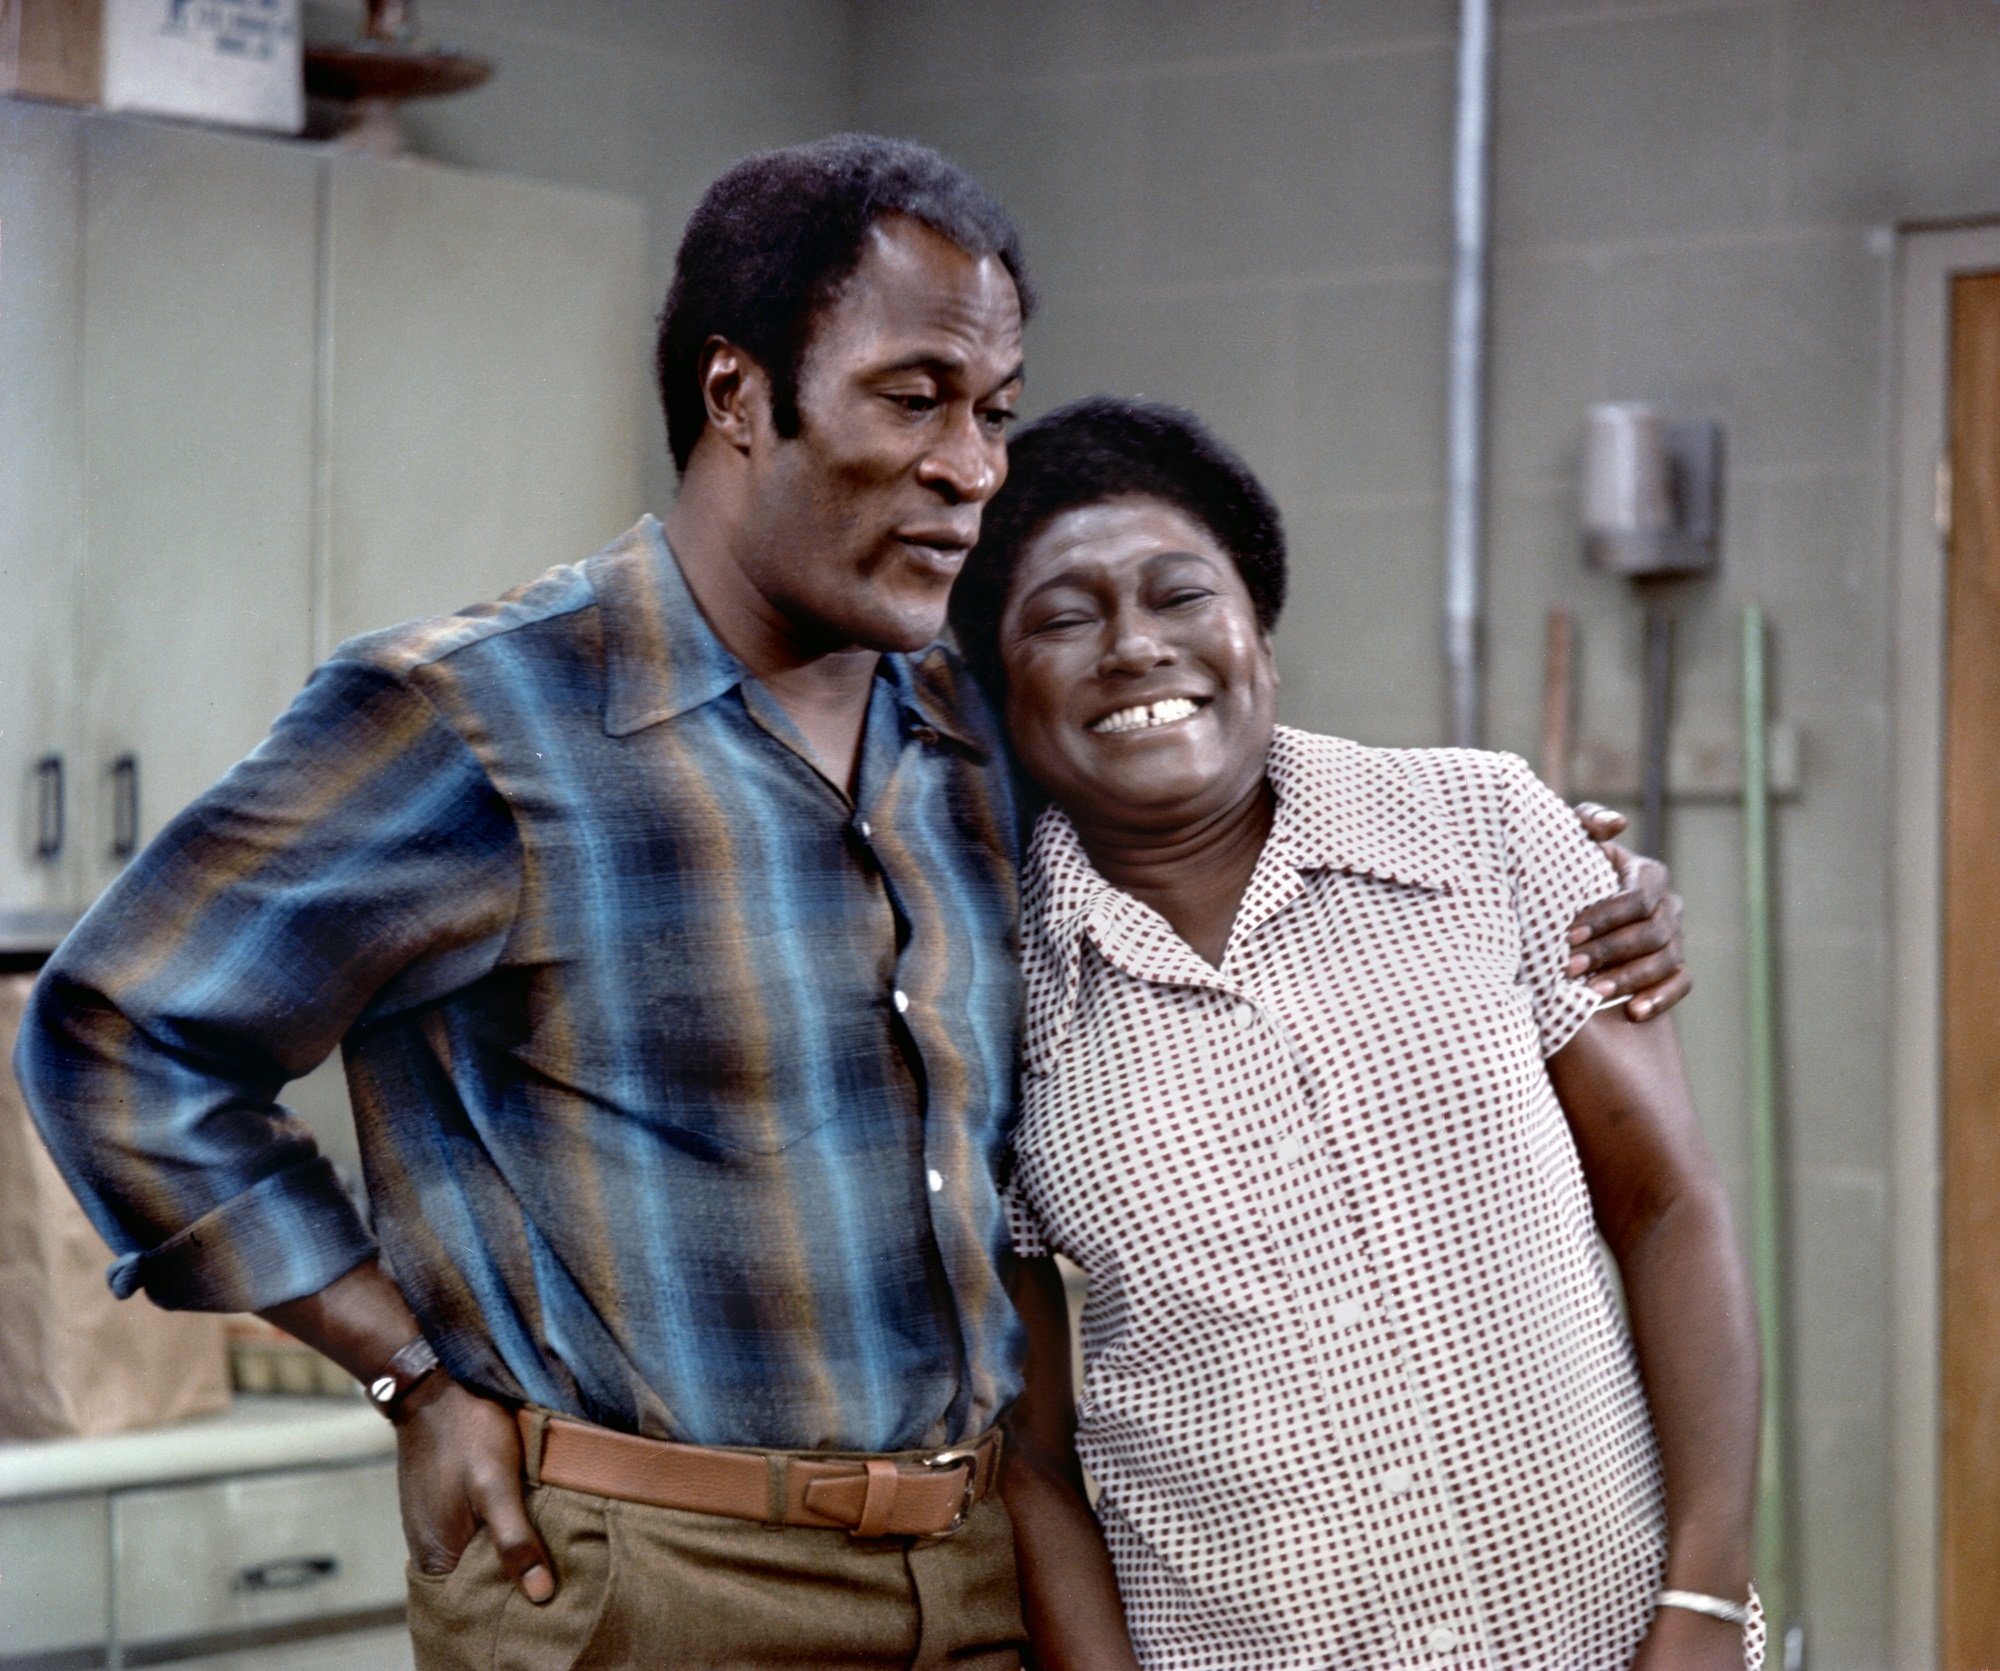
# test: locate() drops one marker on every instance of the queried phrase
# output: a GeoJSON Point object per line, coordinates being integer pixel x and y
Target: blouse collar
{"type": "Point", "coordinates": [1340, 806]}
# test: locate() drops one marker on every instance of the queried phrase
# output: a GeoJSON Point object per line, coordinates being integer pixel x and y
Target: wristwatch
{"type": "Point", "coordinates": [395, 1381]}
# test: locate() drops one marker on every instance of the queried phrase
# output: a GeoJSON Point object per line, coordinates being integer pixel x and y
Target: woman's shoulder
{"type": "Point", "coordinates": [1471, 788]}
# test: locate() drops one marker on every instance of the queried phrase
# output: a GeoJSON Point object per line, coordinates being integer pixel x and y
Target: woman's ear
{"type": "Point", "coordinates": [736, 392]}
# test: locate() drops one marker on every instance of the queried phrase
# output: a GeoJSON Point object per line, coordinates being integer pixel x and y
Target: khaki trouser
{"type": "Point", "coordinates": [641, 1587]}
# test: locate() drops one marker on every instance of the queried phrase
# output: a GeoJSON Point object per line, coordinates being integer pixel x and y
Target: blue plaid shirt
{"type": "Point", "coordinates": [681, 1080]}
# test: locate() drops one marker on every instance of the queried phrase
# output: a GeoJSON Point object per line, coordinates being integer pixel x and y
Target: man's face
{"type": "Point", "coordinates": [910, 379]}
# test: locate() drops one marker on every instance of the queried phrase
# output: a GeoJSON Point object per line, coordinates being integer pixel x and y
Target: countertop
{"type": "Point", "coordinates": [254, 1435]}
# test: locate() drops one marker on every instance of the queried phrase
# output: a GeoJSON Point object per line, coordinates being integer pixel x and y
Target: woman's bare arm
{"type": "Point", "coordinates": [1661, 1206]}
{"type": "Point", "coordinates": [1069, 1596]}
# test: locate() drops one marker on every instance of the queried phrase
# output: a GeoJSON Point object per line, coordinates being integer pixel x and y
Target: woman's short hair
{"type": "Point", "coordinates": [1104, 447]}
{"type": "Point", "coordinates": [773, 241]}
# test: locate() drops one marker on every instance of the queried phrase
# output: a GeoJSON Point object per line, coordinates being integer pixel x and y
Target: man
{"type": "Point", "coordinates": [663, 913]}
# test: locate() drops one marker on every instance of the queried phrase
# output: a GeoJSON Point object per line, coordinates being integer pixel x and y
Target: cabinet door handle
{"type": "Point", "coordinates": [49, 806]}
{"type": "Point", "coordinates": [124, 806]}
{"type": "Point", "coordinates": [294, 1572]}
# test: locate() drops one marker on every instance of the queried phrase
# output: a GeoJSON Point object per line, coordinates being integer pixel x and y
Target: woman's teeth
{"type": "Point", "coordinates": [1146, 715]}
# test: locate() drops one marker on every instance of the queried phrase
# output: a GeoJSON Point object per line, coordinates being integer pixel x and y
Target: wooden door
{"type": "Point", "coordinates": [1970, 1531]}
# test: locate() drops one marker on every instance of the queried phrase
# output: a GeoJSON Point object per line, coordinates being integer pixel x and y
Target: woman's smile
{"type": "Point", "coordinates": [1147, 716]}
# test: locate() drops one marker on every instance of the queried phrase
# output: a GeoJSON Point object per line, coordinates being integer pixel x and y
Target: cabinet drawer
{"type": "Point", "coordinates": [53, 1590]}
{"type": "Point", "coordinates": [265, 1550]}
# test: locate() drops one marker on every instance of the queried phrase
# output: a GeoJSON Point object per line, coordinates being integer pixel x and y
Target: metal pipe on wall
{"type": "Point", "coordinates": [1465, 437]}
{"type": "Point", "coordinates": [1774, 1569]}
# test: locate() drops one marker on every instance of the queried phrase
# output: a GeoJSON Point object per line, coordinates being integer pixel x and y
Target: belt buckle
{"type": "Point", "coordinates": [939, 1461]}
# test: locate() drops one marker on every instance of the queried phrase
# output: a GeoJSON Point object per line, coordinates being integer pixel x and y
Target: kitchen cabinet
{"type": "Point", "coordinates": [157, 309]}
{"type": "Point", "coordinates": [489, 385]}
{"type": "Point", "coordinates": [200, 298]}
{"type": "Point", "coordinates": [275, 1518]}
{"type": "Point", "coordinates": [41, 509]}
{"type": "Point", "coordinates": [55, 1580]}
{"type": "Point", "coordinates": [256, 396]}
{"type": "Point", "coordinates": [235, 1555]}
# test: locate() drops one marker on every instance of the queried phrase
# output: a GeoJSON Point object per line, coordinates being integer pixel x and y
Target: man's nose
{"type": "Point", "coordinates": [968, 463]}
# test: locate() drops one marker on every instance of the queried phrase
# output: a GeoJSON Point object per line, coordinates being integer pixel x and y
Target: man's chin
{"type": "Point", "coordinates": [906, 630]}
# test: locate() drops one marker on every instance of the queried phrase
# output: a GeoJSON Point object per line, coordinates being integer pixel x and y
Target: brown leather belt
{"type": "Point", "coordinates": [908, 1494]}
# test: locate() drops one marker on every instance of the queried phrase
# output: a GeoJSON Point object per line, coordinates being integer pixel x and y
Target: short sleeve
{"type": "Point", "coordinates": [1023, 1228]}
{"type": "Point", "coordinates": [1553, 869]}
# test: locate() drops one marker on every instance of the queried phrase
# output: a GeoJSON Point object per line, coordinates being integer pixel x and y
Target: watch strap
{"type": "Point", "coordinates": [409, 1364]}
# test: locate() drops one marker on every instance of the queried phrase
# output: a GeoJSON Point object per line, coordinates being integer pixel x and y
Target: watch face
{"type": "Point", "coordinates": [382, 1389]}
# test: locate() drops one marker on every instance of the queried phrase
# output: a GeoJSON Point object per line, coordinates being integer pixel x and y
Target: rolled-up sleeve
{"type": "Point", "coordinates": [361, 850]}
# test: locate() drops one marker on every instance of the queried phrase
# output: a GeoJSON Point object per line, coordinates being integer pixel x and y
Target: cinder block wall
{"type": "Point", "coordinates": [1245, 208]}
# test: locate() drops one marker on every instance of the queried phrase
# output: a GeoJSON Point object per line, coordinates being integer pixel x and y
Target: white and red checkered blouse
{"type": "Point", "coordinates": [1357, 1390]}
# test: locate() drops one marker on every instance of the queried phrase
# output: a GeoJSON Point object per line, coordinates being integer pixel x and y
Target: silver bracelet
{"type": "Point", "coordinates": [1730, 1612]}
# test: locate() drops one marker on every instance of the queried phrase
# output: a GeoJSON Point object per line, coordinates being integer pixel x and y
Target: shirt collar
{"type": "Point", "coordinates": [934, 685]}
{"type": "Point", "coordinates": [662, 658]}
{"type": "Point", "coordinates": [1342, 806]}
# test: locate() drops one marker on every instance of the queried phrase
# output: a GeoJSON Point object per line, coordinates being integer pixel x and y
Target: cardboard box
{"type": "Point", "coordinates": [231, 61]}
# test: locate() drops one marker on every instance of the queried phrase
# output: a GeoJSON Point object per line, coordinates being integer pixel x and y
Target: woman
{"type": "Point", "coordinates": [1309, 1096]}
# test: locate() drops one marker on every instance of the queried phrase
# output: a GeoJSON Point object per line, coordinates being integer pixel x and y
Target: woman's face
{"type": "Point", "coordinates": [1140, 689]}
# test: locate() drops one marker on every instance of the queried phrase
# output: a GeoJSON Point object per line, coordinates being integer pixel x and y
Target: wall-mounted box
{"type": "Point", "coordinates": [230, 61]}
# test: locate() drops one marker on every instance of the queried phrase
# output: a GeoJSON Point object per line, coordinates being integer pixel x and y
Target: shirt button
{"type": "Point", "coordinates": [867, 830]}
{"type": "Point", "coordinates": [1289, 1149]}
{"type": "Point", "coordinates": [935, 1179]}
{"type": "Point", "coordinates": [902, 1002]}
{"type": "Point", "coordinates": [1347, 1314]}
{"type": "Point", "coordinates": [1443, 1639]}
{"type": "Point", "coordinates": [1246, 1015]}
{"type": "Point", "coordinates": [1396, 1480]}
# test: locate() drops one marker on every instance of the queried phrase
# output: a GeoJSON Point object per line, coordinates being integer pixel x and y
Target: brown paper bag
{"type": "Point", "coordinates": [53, 49]}
{"type": "Point", "coordinates": [73, 1359]}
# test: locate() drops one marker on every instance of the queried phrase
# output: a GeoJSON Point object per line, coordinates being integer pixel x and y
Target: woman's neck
{"type": "Point", "coordinates": [1194, 876]}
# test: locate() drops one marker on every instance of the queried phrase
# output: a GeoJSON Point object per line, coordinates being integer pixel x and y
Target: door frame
{"type": "Point", "coordinates": [1928, 258]}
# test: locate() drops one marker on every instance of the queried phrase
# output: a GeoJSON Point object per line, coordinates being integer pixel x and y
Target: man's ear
{"type": "Point", "coordinates": [736, 391]}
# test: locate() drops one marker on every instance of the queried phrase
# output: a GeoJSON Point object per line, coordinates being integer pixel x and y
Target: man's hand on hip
{"type": "Point", "coordinates": [458, 1455]}
{"type": "Point", "coordinates": [458, 1467]}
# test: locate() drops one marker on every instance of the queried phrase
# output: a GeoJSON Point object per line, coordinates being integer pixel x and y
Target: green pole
{"type": "Point", "coordinates": [1774, 1541]}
